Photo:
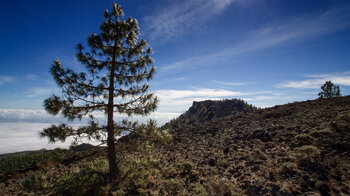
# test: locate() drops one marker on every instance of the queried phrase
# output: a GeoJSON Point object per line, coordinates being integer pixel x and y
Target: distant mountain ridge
{"type": "Point", "coordinates": [210, 109]}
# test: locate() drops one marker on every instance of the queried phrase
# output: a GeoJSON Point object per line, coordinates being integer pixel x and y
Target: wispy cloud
{"type": "Point", "coordinates": [180, 100]}
{"type": "Point", "coordinates": [176, 94]}
{"type": "Point", "coordinates": [316, 81]}
{"type": "Point", "coordinates": [177, 79]}
{"type": "Point", "coordinates": [229, 83]}
{"type": "Point", "coordinates": [40, 91]}
{"type": "Point", "coordinates": [182, 17]}
{"type": "Point", "coordinates": [31, 77]}
{"type": "Point", "coordinates": [6, 79]}
{"type": "Point", "coordinates": [276, 34]}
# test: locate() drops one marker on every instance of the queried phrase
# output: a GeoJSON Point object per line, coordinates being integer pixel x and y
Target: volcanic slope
{"type": "Point", "coordinates": [298, 148]}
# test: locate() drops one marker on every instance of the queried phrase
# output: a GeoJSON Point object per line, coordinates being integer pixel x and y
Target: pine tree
{"type": "Point", "coordinates": [329, 90]}
{"type": "Point", "coordinates": [118, 65]}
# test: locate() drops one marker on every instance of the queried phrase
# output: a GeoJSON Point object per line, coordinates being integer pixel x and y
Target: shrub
{"type": "Point", "coordinates": [218, 186]}
{"type": "Point", "coordinates": [260, 154]}
{"type": "Point", "coordinates": [198, 189]}
{"type": "Point", "coordinates": [22, 160]}
{"type": "Point", "coordinates": [322, 132]}
{"type": "Point", "coordinates": [185, 167]}
{"type": "Point", "coordinates": [287, 169]}
{"type": "Point", "coordinates": [275, 113]}
{"type": "Point", "coordinates": [169, 172]}
{"type": "Point", "coordinates": [85, 178]}
{"type": "Point", "coordinates": [303, 139]}
{"type": "Point", "coordinates": [308, 150]}
{"type": "Point", "coordinates": [342, 121]}
{"type": "Point", "coordinates": [171, 187]}
{"type": "Point", "coordinates": [137, 175]}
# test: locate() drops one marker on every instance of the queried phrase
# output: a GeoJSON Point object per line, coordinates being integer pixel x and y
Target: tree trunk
{"type": "Point", "coordinates": [113, 169]}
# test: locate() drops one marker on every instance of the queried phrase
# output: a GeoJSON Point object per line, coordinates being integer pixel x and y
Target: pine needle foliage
{"type": "Point", "coordinates": [329, 90]}
{"type": "Point", "coordinates": [118, 67]}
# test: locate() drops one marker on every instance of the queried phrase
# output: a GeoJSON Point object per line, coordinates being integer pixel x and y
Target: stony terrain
{"type": "Point", "coordinates": [295, 149]}
{"type": "Point", "coordinates": [284, 150]}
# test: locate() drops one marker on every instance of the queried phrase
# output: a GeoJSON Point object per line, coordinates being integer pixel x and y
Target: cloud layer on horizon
{"type": "Point", "coordinates": [21, 136]}
{"type": "Point", "coordinates": [41, 116]}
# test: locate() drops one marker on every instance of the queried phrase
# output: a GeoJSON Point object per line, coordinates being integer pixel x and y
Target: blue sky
{"type": "Point", "coordinates": [266, 52]}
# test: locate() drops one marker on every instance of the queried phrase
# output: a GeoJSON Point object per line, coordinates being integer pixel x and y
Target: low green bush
{"type": "Point", "coordinates": [322, 132]}
{"type": "Point", "coordinates": [308, 150]}
{"type": "Point", "coordinates": [172, 187]}
{"type": "Point", "coordinates": [219, 186]}
{"type": "Point", "coordinates": [287, 169]}
{"type": "Point", "coordinates": [137, 175]}
{"type": "Point", "coordinates": [21, 160]}
{"type": "Point", "coordinates": [81, 179]}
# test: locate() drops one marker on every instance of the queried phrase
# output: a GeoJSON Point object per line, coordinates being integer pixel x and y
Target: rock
{"type": "Point", "coordinates": [345, 190]}
{"type": "Point", "coordinates": [274, 189]}
{"type": "Point", "coordinates": [253, 191]}
{"type": "Point", "coordinates": [323, 188]}
{"type": "Point", "coordinates": [212, 162]}
{"type": "Point", "coordinates": [262, 135]}
{"type": "Point", "coordinates": [227, 150]}
{"type": "Point", "coordinates": [310, 193]}
{"type": "Point", "coordinates": [346, 146]}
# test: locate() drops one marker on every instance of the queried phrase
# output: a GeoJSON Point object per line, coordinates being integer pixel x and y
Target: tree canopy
{"type": "Point", "coordinates": [118, 67]}
{"type": "Point", "coordinates": [329, 90]}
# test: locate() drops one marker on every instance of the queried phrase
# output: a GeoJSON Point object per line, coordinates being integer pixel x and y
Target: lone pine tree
{"type": "Point", "coordinates": [329, 90]}
{"type": "Point", "coordinates": [118, 67]}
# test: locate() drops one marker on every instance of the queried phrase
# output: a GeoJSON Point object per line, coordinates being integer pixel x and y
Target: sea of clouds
{"type": "Point", "coordinates": [20, 129]}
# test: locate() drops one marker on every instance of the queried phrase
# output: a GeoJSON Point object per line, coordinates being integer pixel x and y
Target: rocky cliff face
{"type": "Point", "coordinates": [205, 111]}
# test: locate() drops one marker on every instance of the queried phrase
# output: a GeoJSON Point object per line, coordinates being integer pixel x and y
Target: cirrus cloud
{"type": "Point", "coordinates": [315, 81]}
{"type": "Point", "coordinates": [6, 79]}
{"type": "Point", "coordinates": [277, 33]}
{"type": "Point", "coordinates": [179, 18]}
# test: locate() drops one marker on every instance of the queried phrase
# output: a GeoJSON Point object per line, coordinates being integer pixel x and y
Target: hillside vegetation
{"type": "Point", "coordinates": [208, 110]}
{"type": "Point", "coordinates": [284, 150]}
{"type": "Point", "coordinates": [294, 149]}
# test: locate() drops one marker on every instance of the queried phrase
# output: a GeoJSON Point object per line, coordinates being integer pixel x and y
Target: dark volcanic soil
{"type": "Point", "coordinates": [284, 150]}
